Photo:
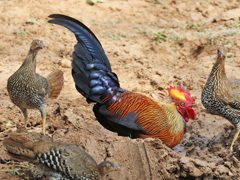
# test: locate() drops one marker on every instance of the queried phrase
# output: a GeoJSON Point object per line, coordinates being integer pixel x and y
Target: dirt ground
{"type": "Point", "coordinates": [180, 52]}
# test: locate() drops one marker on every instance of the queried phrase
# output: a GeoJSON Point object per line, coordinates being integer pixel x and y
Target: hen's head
{"type": "Point", "coordinates": [106, 167]}
{"type": "Point", "coordinates": [221, 54]}
{"type": "Point", "coordinates": [36, 45]}
{"type": "Point", "coordinates": [184, 102]}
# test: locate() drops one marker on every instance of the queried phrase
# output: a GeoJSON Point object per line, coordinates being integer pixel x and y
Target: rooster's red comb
{"type": "Point", "coordinates": [179, 93]}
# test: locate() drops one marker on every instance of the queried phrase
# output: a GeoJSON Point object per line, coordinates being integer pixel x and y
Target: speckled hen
{"type": "Point", "coordinates": [220, 95]}
{"type": "Point", "coordinates": [29, 90]}
{"type": "Point", "coordinates": [57, 160]}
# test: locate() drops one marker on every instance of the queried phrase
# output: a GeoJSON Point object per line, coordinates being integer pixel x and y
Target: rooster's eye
{"type": "Point", "coordinates": [182, 104]}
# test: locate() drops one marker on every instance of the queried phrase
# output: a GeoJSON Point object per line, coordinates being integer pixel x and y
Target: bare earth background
{"type": "Point", "coordinates": [185, 57]}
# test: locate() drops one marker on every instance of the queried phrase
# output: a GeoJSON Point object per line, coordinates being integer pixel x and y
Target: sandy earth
{"type": "Point", "coordinates": [185, 57]}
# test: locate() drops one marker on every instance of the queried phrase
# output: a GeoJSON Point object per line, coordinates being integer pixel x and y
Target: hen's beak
{"type": "Point", "coordinates": [222, 52]}
{"type": "Point", "coordinates": [40, 46]}
{"type": "Point", "coordinates": [117, 168]}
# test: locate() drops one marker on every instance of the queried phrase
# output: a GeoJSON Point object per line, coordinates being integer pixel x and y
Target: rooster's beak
{"type": "Point", "coordinates": [195, 105]}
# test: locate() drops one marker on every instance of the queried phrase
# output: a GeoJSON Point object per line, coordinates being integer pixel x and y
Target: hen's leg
{"type": "Point", "coordinates": [43, 115]}
{"type": "Point", "coordinates": [234, 139]}
{"type": "Point", "coordinates": [25, 114]}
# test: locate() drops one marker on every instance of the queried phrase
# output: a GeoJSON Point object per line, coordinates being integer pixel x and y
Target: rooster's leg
{"type": "Point", "coordinates": [43, 115]}
{"type": "Point", "coordinates": [25, 114]}
{"type": "Point", "coordinates": [234, 139]}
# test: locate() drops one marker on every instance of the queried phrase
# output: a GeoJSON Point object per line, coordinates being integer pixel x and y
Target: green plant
{"type": "Point", "coordinates": [229, 54]}
{"type": "Point", "coordinates": [219, 27]}
{"type": "Point", "coordinates": [114, 36]}
{"type": "Point", "coordinates": [188, 26]}
{"type": "Point", "coordinates": [189, 34]}
{"type": "Point", "coordinates": [235, 24]}
{"type": "Point", "coordinates": [229, 45]}
{"type": "Point", "coordinates": [25, 164]}
{"type": "Point", "coordinates": [174, 36]}
{"type": "Point", "coordinates": [34, 173]}
{"type": "Point", "coordinates": [211, 37]}
{"type": "Point", "coordinates": [32, 21]}
{"type": "Point", "coordinates": [231, 32]}
{"type": "Point", "coordinates": [78, 19]}
{"type": "Point", "coordinates": [159, 36]}
{"type": "Point", "coordinates": [208, 30]}
{"type": "Point", "coordinates": [113, 23]}
{"type": "Point", "coordinates": [21, 33]}
{"type": "Point", "coordinates": [92, 2]}
{"type": "Point", "coordinates": [13, 171]}
{"type": "Point", "coordinates": [159, 1]}
{"type": "Point", "coordinates": [96, 22]}
{"type": "Point", "coordinates": [55, 33]}
{"type": "Point", "coordinates": [200, 34]}
{"type": "Point", "coordinates": [8, 123]}
{"type": "Point", "coordinates": [142, 30]}
{"type": "Point", "coordinates": [219, 43]}
{"type": "Point", "coordinates": [204, 2]}
{"type": "Point", "coordinates": [2, 48]}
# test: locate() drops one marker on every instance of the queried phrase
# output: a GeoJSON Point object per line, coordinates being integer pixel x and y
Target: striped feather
{"type": "Point", "coordinates": [158, 120]}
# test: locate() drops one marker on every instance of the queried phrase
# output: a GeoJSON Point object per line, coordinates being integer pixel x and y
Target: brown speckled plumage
{"type": "Point", "coordinates": [29, 90]}
{"type": "Point", "coordinates": [57, 158]}
{"type": "Point", "coordinates": [220, 95]}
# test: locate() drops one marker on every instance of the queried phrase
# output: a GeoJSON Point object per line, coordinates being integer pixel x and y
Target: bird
{"type": "Point", "coordinates": [221, 96]}
{"type": "Point", "coordinates": [56, 159]}
{"type": "Point", "coordinates": [119, 110]}
{"type": "Point", "coordinates": [29, 90]}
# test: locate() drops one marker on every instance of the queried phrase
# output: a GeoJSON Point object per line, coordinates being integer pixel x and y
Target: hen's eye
{"type": "Point", "coordinates": [182, 104]}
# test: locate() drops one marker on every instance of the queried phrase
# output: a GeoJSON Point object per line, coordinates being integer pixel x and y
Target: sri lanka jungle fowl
{"type": "Point", "coordinates": [118, 110]}
{"type": "Point", "coordinates": [57, 160]}
{"type": "Point", "coordinates": [29, 90]}
{"type": "Point", "coordinates": [221, 96]}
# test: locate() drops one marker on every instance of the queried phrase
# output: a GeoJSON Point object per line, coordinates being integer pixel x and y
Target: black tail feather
{"type": "Point", "coordinates": [91, 69]}
{"type": "Point", "coordinates": [84, 36]}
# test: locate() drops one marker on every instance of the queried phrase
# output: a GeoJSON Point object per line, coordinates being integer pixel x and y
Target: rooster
{"type": "Point", "coordinates": [221, 96]}
{"type": "Point", "coordinates": [118, 110]}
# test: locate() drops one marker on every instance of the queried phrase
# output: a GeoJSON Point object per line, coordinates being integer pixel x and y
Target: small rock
{"type": "Point", "coordinates": [228, 164]}
{"type": "Point", "coordinates": [231, 14]}
{"type": "Point", "coordinates": [222, 169]}
{"type": "Point", "coordinates": [65, 63]}
{"type": "Point", "coordinates": [195, 16]}
{"type": "Point", "coordinates": [181, 7]}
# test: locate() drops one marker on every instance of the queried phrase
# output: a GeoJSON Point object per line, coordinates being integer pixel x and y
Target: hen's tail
{"type": "Point", "coordinates": [91, 69]}
{"type": "Point", "coordinates": [55, 82]}
{"type": "Point", "coordinates": [20, 146]}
